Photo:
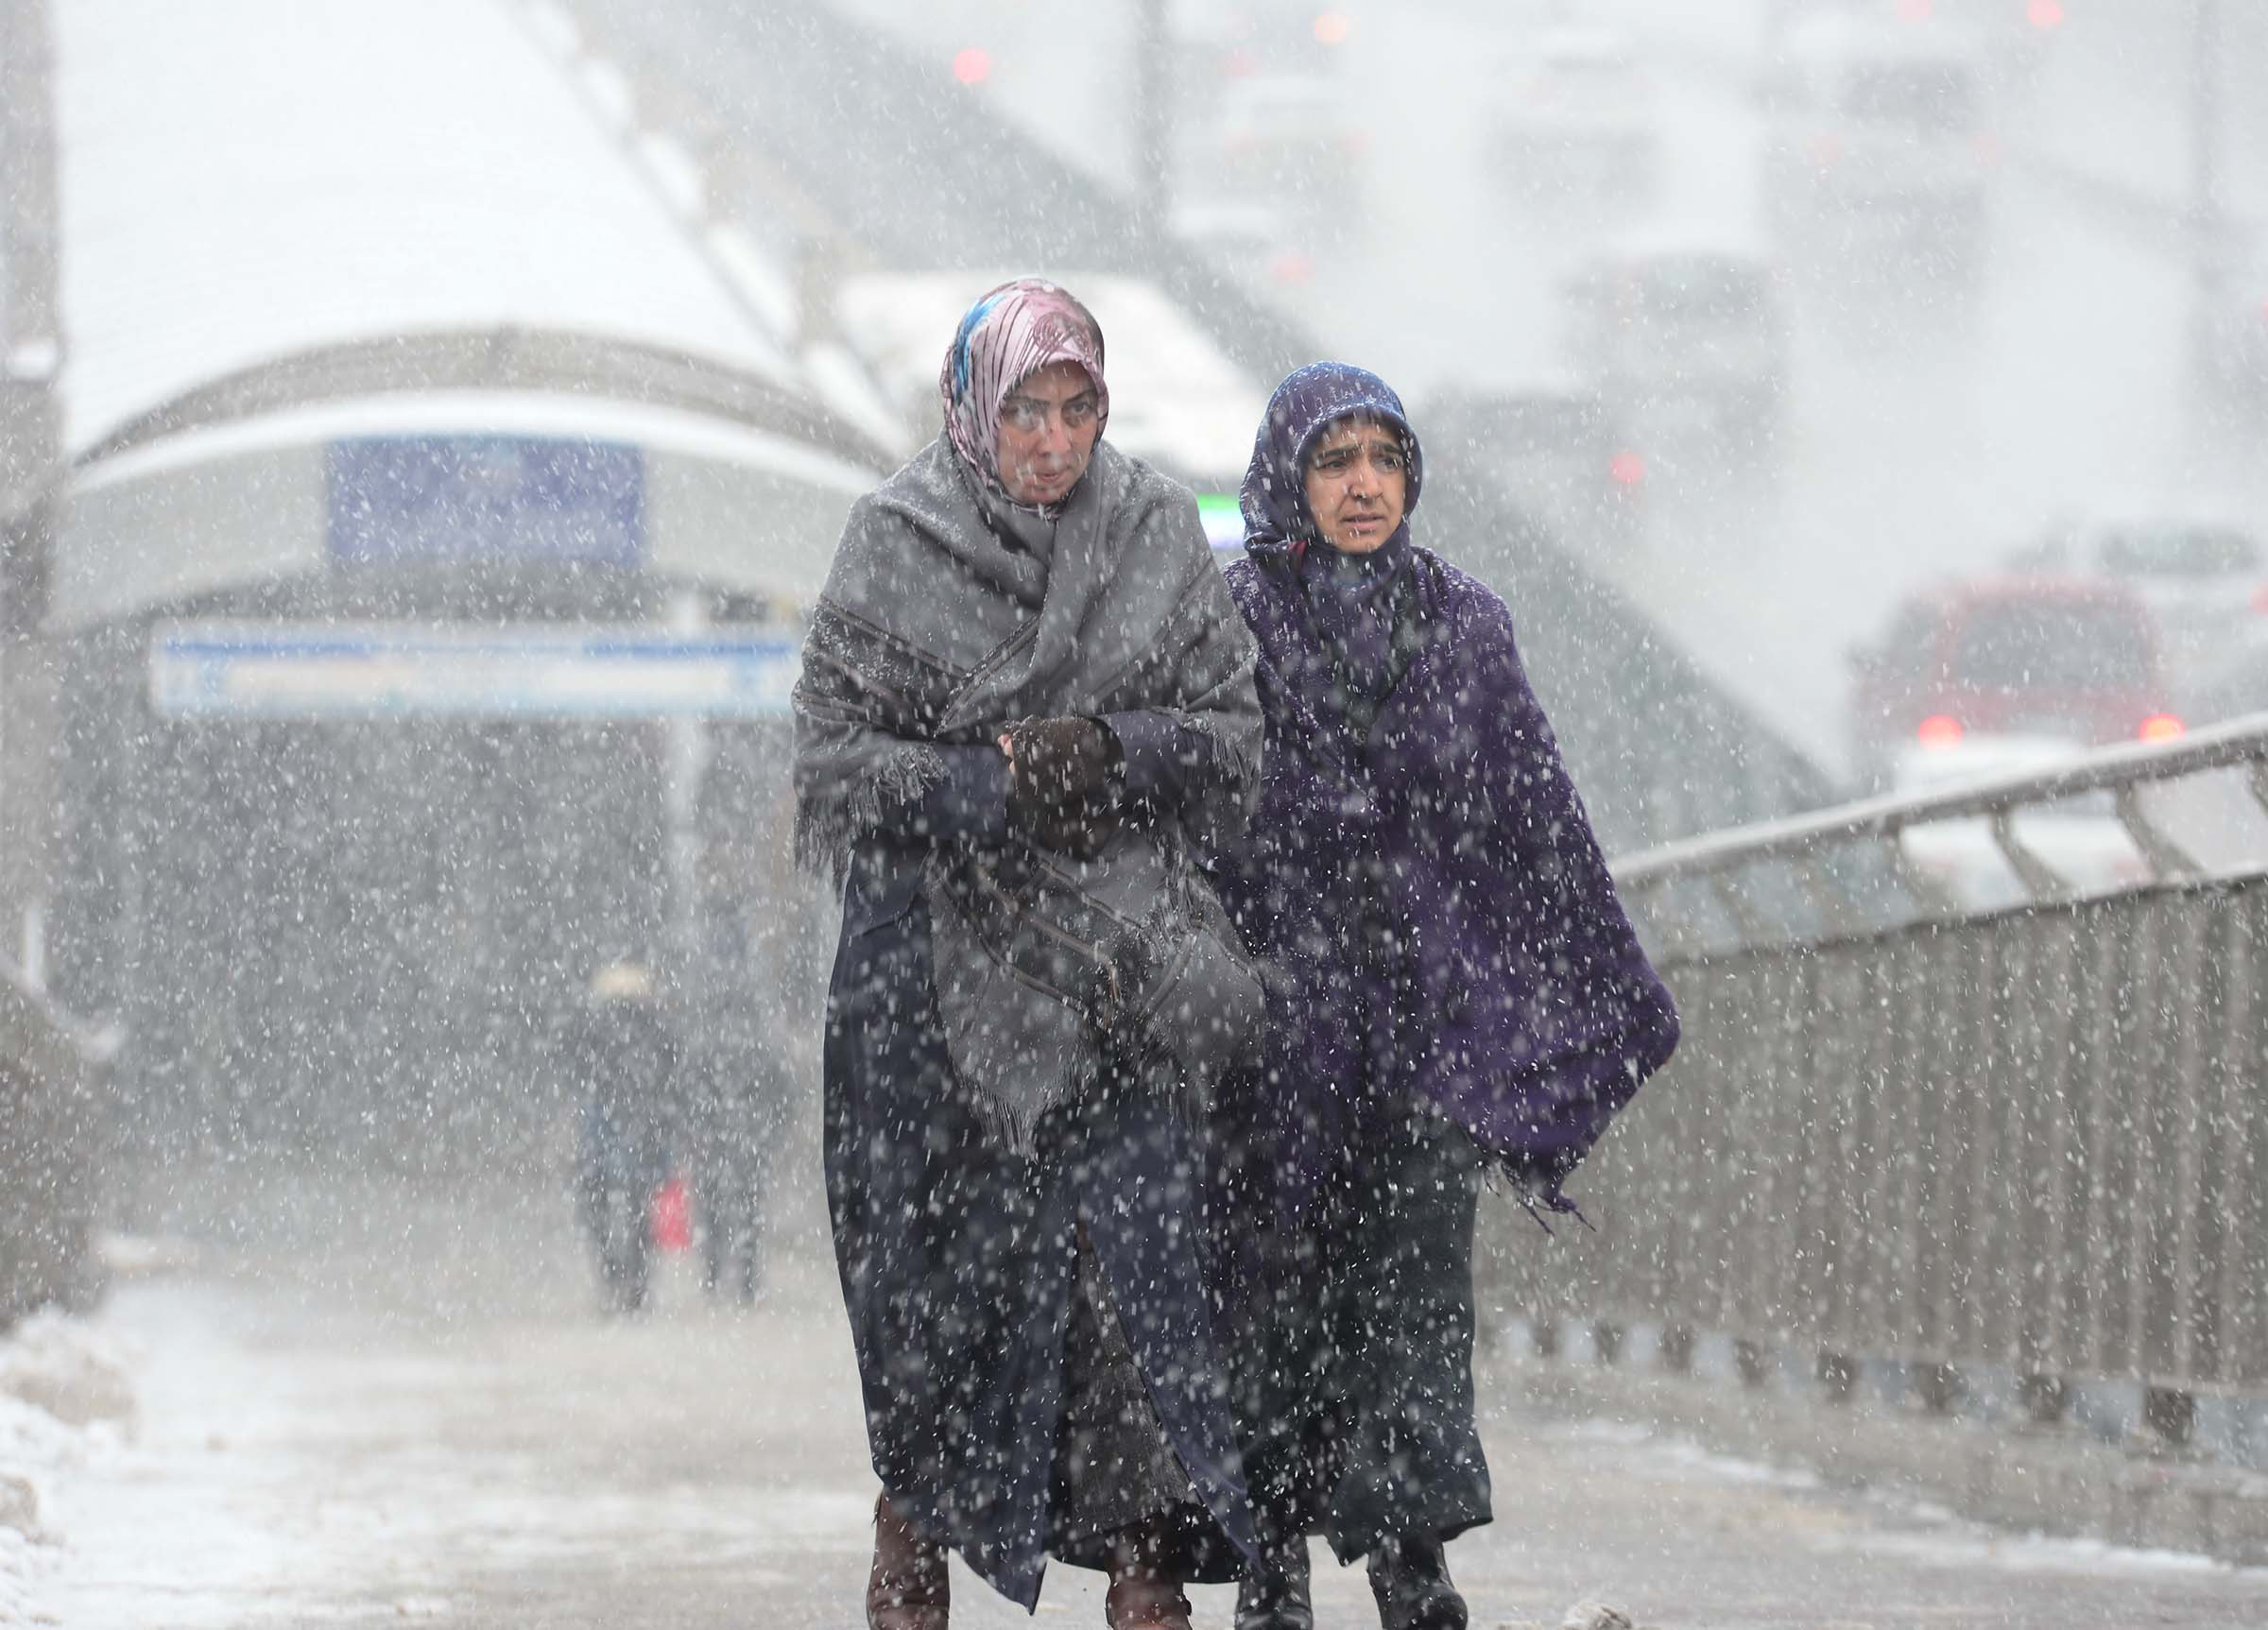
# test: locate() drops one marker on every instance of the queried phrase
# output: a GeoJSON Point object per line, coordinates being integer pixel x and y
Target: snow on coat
{"type": "Point", "coordinates": [1437, 918]}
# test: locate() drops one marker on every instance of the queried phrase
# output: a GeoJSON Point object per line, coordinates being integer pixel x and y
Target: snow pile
{"type": "Point", "coordinates": [58, 1365]}
{"type": "Point", "coordinates": [59, 1387]}
{"type": "Point", "coordinates": [20, 1555]}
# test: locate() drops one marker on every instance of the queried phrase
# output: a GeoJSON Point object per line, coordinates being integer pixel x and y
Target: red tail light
{"type": "Point", "coordinates": [2046, 14]}
{"type": "Point", "coordinates": [1938, 730]}
{"type": "Point", "coordinates": [2160, 727]}
{"type": "Point", "coordinates": [1626, 469]}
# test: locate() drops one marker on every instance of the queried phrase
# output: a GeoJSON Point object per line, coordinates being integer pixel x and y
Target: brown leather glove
{"type": "Point", "coordinates": [1065, 784]}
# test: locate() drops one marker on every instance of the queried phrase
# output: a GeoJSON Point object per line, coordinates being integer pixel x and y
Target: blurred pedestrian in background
{"type": "Point", "coordinates": [737, 1098]}
{"type": "Point", "coordinates": [1455, 991]}
{"type": "Point", "coordinates": [1027, 702]}
{"type": "Point", "coordinates": [628, 1062]}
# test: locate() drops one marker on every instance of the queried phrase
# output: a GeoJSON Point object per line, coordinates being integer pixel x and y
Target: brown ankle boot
{"type": "Point", "coordinates": [1145, 1601]}
{"type": "Point", "coordinates": [909, 1588]}
{"type": "Point", "coordinates": [1141, 1595]}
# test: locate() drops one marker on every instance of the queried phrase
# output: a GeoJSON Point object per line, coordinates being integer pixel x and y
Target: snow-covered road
{"type": "Point", "coordinates": [429, 1424]}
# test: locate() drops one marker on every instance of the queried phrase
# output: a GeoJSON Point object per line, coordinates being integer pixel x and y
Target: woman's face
{"type": "Point", "coordinates": [1048, 426]}
{"type": "Point", "coordinates": [1358, 485]}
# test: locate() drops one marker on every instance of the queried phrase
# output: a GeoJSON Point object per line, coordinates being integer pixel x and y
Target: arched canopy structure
{"type": "Point", "coordinates": [291, 232]}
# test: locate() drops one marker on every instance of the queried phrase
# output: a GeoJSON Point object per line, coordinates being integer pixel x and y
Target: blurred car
{"type": "Point", "coordinates": [1287, 139]}
{"type": "Point", "coordinates": [2236, 683]}
{"type": "Point", "coordinates": [1682, 342]}
{"type": "Point", "coordinates": [2204, 577]}
{"type": "Point", "coordinates": [1877, 143]}
{"type": "Point", "coordinates": [1558, 451]}
{"type": "Point", "coordinates": [2080, 839]}
{"type": "Point", "coordinates": [2073, 658]}
{"type": "Point", "coordinates": [1214, 40]}
{"type": "Point", "coordinates": [1260, 240]}
{"type": "Point", "coordinates": [1239, 228]}
{"type": "Point", "coordinates": [1578, 114]}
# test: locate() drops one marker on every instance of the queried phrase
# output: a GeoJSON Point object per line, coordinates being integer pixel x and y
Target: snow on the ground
{"type": "Point", "coordinates": [1919, 1530]}
{"type": "Point", "coordinates": [63, 1392]}
{"type": "Point", "coordinates": [1686, 1457]}
{"type": "Point", "coordinates": [303, 1461]}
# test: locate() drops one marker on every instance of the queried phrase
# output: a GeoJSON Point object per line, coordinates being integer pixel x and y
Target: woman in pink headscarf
{"type": "Point", "coordinates": [1026, 705]}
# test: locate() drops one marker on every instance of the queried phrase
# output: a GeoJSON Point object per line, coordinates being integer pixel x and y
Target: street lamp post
{"type": "Point", "coordinates": [2207, 249]}
{"type": "Point", "coordinates": [1153, 113]}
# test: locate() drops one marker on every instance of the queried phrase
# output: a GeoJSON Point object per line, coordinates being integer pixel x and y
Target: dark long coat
{"type": "Point", "coordinates": [957, 1260]}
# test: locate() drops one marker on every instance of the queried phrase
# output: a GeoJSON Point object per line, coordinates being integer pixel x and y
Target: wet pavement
{"type": "Point", "coordinates": [419, 1419]}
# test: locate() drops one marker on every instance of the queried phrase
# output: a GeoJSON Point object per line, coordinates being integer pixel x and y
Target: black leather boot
{"type": "Point", "coordinates": [1274, 1596]}
{"type": "Point", "coordinates": [1410, 1579]}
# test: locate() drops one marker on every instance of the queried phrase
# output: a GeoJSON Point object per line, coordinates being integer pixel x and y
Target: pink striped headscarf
{"type": "Point", "coordinates": [1009, 334]}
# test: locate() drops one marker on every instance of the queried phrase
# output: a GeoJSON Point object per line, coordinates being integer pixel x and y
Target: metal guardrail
{"type": "Point", "coordinates": [1805, 837]}
{"type": "Point", "coordinates": [1898, 1128]}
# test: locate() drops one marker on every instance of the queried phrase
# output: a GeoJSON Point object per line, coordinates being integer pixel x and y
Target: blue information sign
{"type": "Point", "coordinates": [317, 671]}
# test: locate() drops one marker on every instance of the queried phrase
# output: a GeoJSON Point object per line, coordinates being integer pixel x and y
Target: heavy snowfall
{"type": "Point", "coordinates": [1508, 869]}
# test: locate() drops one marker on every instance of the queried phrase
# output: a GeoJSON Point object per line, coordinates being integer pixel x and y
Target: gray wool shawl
{"type": "Point", "coordinates": [935, 630]}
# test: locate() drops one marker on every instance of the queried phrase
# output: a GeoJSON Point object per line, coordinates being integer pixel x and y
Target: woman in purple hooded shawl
{"type": "Point", "coordinates": [1453, 990]}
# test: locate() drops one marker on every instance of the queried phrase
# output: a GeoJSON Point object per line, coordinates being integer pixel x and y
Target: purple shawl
{"type": "Point", "coordinates": [1437, 915]}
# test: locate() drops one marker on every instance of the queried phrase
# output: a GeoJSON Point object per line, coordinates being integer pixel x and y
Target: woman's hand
{"type": "Point", "coordinates": [1064, 784]}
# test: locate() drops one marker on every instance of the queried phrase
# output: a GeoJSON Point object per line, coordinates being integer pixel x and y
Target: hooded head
{"type": "Point", "coordinates": [1308, 402]}
{"type": "Point", "coordinates": [1009, 334]}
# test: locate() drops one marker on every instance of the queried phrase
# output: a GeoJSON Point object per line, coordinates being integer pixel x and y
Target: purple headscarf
{"type": "Point", "coordinates": [1309, 402]}
{"type": "Point", "coordinates": [1349, 600]}
{"type": "Point", "coordinates": [1007, 336]}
